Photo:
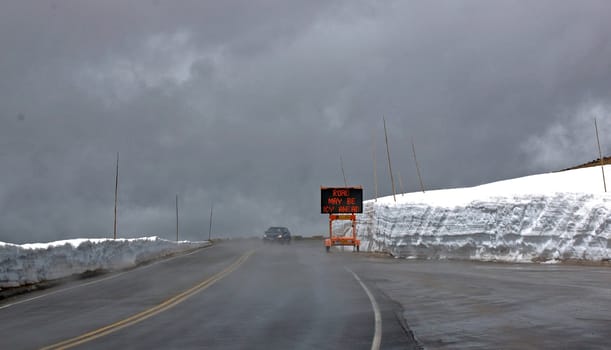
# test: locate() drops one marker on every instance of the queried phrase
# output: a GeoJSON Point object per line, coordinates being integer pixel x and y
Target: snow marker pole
{"type": "Point", "coordinates": [401, 183]}
{"type": "Point", "coordinates": [116, 196]}
{"type": "Point", "coordinates": [341, 162]}
{"type": "Point", "coordinates": [600, 154]}
{"type": "Point", "coordinates": [375, 172]}
{"type": "Point", "coordinates": [417, 166]}
{"type": "Point", "coordinates": [210, 226]}
{"type": "Point", "coordinates": [392, 180]}
{"type": "Point", "coordinates": [177, 218]}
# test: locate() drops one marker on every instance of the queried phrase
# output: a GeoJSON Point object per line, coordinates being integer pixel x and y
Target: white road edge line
{"type": "Point", "coordinates": [377, 336]}
{"type": "Point", "coordinates": [100, 280]}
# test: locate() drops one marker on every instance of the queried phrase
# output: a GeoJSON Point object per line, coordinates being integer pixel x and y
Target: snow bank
{"type": "Point", "coordinates": [32, 263]}
{"type": "Point", "coordinates": [557, 216]}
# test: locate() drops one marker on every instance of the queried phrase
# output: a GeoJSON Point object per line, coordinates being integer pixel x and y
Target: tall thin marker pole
{"type": "Point", "coordinates": [417, 166]}
{"type": "Point", "coordinates": [401, 183]}
{"type": "Point", "coordinates": [375, 171]}
{"type": "Point", "coordinates": [116, 197]}
{"type": "Point", "coordinates": [341, 162]}
{"type": "Point", "coordinates": [392, 179]}
{"type": "Point", "coordinates": [210, 227]}
{"type": "Point", "coordinates": [600, 154]}
{"type": "Point", "coordinates": [177, 218]}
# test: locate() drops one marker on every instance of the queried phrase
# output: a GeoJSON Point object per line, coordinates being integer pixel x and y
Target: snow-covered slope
{"type": "Point", "coordinates": [32, 263]}
{"type": "Point", "coordinates": [556, 216]}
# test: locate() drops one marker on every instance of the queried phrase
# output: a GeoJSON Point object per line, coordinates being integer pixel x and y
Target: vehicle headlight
{"type": "Point", "coordinates": [279, 236]}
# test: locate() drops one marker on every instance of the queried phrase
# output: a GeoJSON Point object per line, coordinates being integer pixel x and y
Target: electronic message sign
{"type": "Point", "coordinates": [341, 200]}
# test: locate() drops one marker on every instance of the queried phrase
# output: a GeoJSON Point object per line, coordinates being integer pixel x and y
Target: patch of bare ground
{"type": "Point", "coordinates": [595, 162]}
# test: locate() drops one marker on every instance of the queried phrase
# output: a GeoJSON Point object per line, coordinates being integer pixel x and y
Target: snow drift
{"type": "Point", "coordinates": [548, 217]}
{"type": "Point", "coordinates": [32, 263]}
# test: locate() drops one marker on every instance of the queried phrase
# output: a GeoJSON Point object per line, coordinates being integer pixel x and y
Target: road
{"type": "Point", "coordinates": [234, 295]}
{"type": "Point", "coordinates": [479, 305]}
{"type": "Point", "coordinates": [245, 295]}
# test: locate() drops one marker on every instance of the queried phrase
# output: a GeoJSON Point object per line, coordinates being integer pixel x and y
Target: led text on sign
{"type": "Point", "coordinates": [341, 200]}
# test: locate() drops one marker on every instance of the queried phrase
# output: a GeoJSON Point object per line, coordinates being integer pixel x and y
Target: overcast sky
{"type": "Point", "coordinates": [250, 104]}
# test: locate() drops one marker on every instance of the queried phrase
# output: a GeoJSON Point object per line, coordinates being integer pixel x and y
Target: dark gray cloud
{"type": "Point", "coordinates": [249, 105]}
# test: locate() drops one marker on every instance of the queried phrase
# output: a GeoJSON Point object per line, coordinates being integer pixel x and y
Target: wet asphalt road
{"type": "Point", "coordinates": [478, 305]}
{"type": "Point", "coordinates": [240, 295]}
{"type": "Point", "coordinates": [299, 297]}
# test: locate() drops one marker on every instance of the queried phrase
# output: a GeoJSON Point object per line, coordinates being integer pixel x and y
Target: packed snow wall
{"type": "Point", "coordinates": [32, 263]}
{"type": "Point", "coordinates": [484, 223]}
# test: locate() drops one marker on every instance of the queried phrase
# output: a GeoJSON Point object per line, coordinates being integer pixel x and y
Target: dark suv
{"type": "Point", "coordinates": [277, 234]}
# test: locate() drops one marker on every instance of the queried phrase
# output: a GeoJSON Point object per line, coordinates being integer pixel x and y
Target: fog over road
{"type": "Point", "coordinates": [246, 295]}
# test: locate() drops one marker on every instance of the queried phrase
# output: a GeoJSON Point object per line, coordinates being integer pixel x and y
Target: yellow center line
{"type": "Point", "coordinates": [169, 303]}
